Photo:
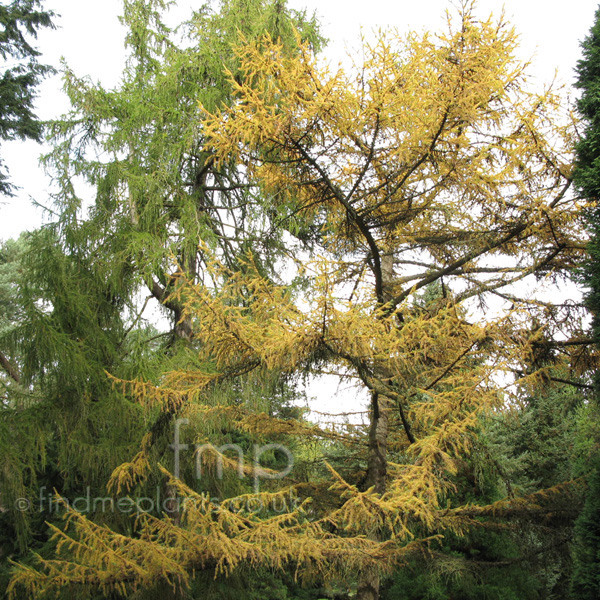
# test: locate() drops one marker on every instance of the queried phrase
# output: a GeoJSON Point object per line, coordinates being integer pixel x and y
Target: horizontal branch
{"type": "Point", "coordinates": [451, 268]}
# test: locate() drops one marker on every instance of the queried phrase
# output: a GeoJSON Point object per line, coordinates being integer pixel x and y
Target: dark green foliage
{"type": "Point", "coordinates": [260, 584]}
{"type": "Point", "coordinates": [588, 81]}
{"type": "Point", "coordinates": [535, 443]}
{"type": "Point", "coordinates": [484, 565]}
{"type": "Point", "coordinates": [534, 448]}
{"type": "Point", "coordinates": [587, 166]}
{"type": "Point", "coordinates": [20, 20]}
{"type": "Point", "coordinates": [517, 555]}
{"type": "Point", "coordinates": [586, 577]}
{"type": "Point", "coordinates": [585, 583]}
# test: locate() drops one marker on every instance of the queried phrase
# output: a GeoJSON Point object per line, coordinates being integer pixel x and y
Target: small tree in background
{"type": "Point", "coordinates": [20, 20]}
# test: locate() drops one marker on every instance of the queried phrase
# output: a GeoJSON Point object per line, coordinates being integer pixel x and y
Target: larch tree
{"type": "Point", "coordinates": [428, 167]}
{"type": "Point", "coordinates": [158, 191]}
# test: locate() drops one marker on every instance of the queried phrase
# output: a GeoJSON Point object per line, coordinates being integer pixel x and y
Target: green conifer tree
{"type": "Point", "coordinates": [84, 282]}
{"type": "Point", "coordinates": [20, 20]}
{"type": "Point", "coordinates": [585, 583]}
{"type": "Point", "coordinates": [586, 577]}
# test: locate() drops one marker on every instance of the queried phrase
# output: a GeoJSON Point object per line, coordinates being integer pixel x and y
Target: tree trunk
{"type": "Point", "coordinates": [368, 579]}
{"type": "Point", "coordinates": [368, 586]}
{"type": "Point", "coordinates": [378, 437]}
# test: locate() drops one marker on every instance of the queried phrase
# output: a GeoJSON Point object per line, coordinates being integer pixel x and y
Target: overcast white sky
{"type": "Point", "coordinates": [90, 38]}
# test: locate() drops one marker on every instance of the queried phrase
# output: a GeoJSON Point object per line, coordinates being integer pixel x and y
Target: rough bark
{"type": "Point", "coordinates": [369, 580]}
{"type": "Point", "coordinates": [378, 436]}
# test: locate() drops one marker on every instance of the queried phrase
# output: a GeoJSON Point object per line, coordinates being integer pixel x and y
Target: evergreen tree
{"type": "Point", "coordinates": [521, 553]}
{"type": "Point", "coordinates": [586, 577]}
{"type": "Point", "coordinates": [160, 196]}
{"type": "Point", "coordinates": [585, 583]}
{"type": "Point", "coordinates": [587, 166]}
{"type": "Point", "coordinates": [20, 20]}
{"type": "Point", "coordinates": [84, 283]}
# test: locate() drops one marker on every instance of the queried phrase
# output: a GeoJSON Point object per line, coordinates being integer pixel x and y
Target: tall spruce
{"type": "Point", "coordinates": [586, 577]}
{"type": "Point", "coordinates": [587, 166]}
